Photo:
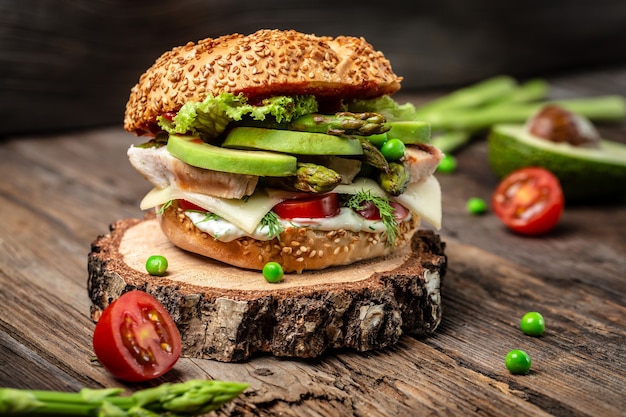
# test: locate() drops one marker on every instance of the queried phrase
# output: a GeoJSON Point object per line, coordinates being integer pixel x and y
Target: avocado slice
{"type": "Point", "coordinates": [585, 173]}
{"type": "Point", "coordinates": [409, 132]}
{"type": "Point", "coordinates": [292, 142]}
{"type": "Point", "coordinates": [197, 153]}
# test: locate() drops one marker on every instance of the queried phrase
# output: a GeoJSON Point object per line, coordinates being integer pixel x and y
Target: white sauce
{"type": "Point", "coordinates": [347, 219]}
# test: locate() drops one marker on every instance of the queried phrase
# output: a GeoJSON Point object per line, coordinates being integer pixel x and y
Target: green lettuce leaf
{"type": "Point", "coordinates": [385, 105]}
{"type": "Point", "coordinates": [210, 117]}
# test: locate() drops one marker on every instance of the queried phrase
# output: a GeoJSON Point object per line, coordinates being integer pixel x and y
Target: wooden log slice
{"type": "Point", "coordinates": [229, 314]}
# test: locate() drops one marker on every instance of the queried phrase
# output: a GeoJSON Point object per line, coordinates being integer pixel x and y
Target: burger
{"type": "Point", "coordinates": [282, 146]}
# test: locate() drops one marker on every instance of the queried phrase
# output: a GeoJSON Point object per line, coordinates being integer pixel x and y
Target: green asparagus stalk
{"type": "Point", "coordinates": [342, 123]}
{"type": "Point", "coordinates": [474, 95]}
{"type": "Point", "coordinates": [310, 178]}
{"type": "Point", "coordinates": [373, 156]}
{"type": "Point", "coordinates": [450, 140]}
{"type": "Point", "coordinates": [606, 108]}
{"type": "Point", "coordinates": [529, 91]}
{"type": "Point", "coordinates": [189, 398]}
{"type": "Point", "coordinates": [395, 180]}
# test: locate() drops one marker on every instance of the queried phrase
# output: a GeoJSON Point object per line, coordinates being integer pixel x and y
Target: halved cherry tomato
{"type": "Point", "coordinates": [318, 206]}
{"type": "Point", "coordinates": [369, 211]}
{"type": "Point", "coordinates": [136, 338]}
{"type": "Point", "coordinates": [529, 201]}
{"type": "Point", "coordinates": [188, 205]}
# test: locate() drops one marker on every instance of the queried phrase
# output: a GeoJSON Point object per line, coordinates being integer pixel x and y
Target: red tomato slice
{"type": "Point", "coordinates": [188, 205]}
{"type": "Point", "coordinates": [325, 205]}
{"type": "Point", "coordinates": [529, 201]}
{"type": "Point", "coordinates": [136, 339]}
{"type": "Point", "coordinates": [370, 212]}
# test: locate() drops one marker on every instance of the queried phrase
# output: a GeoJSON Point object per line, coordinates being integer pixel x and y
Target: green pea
{"type": "Point", "coordinates": [447, 164]}
{"type": "Point", "coordinates": [517, 361]}
{"type": "Point", "coordinates": [532, 324]}
{"type": "Point", "coordinates": [273, 272]}
{"type": "Point", "coordinates": [476, 206]}
{"type": "Point", "coordinates": [156, 265]}
{"type": "Point", "coordinates": [393, 150]}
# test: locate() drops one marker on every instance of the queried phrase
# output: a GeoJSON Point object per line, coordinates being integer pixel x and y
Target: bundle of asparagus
{"type": "Point", "coordinates": [456, 117]}
{"type": "Point", "coordinates": [189, 398]}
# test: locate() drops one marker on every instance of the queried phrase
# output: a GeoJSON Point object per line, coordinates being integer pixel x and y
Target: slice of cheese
{"type": "Point", "coordinates": [423, 198]}
{"type": "Point", "coordinates": [245, 214]}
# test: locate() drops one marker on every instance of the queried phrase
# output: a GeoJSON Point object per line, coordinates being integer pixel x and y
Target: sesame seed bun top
{"type": "Point", "coordinates": [265, 63]}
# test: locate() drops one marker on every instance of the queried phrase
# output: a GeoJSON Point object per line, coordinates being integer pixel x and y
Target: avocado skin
{"type": "Point", "coordinates": [582, 180]}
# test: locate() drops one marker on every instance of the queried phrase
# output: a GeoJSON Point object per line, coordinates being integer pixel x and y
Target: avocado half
{"type": "Point", "coordinates": [586, 174]}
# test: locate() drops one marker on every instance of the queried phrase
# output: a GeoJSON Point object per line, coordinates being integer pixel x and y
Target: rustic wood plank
{"type": "Point", "coordinates": [229, 314]}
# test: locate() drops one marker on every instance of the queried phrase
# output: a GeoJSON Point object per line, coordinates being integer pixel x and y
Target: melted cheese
{"type": "Point", "coordinates": [423, 198]}
{"type": "Point", "coordinates": [245, 214]}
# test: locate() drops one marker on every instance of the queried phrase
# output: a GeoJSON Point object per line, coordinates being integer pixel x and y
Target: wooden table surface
{"type": "Point", "coordinates": [60, 191]}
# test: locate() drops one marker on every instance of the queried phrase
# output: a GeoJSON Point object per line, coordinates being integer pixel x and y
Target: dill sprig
{"type": "Point", "coordinates": [356, 201]}
{"type": "Point", "coordinates": [273, 224]}
{"type": "Point", "coordinates": [161, 210]}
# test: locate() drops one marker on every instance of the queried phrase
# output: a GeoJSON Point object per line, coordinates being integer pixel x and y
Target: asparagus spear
{"type": "Point", "coordinates": [373, 156]}
{"type": "Point", "coordinates": [312, 178]}
{"type": "Point", "coordinates": [189, 398]}
{"type": "Point", "coordinates": [606, 108]}
{"type": "Point", "coordinates": [471, 96]}
{"type": "Point", "coordinates": [529, 91]}
{"type": "Point", "coordinates": [342, 123]}
{"type": "Point", "coordinates": [395, 180]}
{"type": "Point", "coordinates": [450, 140]}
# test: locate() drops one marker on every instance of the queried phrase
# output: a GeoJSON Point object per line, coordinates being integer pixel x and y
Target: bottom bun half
{"type": "Point", "coordinates": [297, 249]}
